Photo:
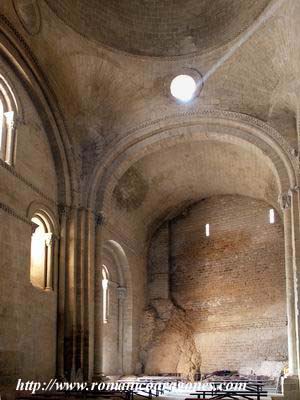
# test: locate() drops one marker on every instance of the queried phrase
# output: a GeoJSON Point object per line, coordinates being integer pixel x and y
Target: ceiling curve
{"type": "Point", "coordinates": [163, 182]}
{"type": "Point", "coordinates": [159, 27]}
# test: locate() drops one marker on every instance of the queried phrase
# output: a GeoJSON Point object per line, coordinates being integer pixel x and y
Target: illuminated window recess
{"type": "Point", "coordinates": [271, 216]}
{"type": "Point", "coordinates": [207, 230]}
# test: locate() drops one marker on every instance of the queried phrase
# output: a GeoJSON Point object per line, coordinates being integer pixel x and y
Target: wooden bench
{"type": "Point", "coordinates": [253, 390]}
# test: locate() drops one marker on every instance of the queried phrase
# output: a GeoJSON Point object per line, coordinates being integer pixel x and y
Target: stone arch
{"type": "Point", "coordinates": [208, 125]}
{"type": "Point", "coordinates": [37, 207]}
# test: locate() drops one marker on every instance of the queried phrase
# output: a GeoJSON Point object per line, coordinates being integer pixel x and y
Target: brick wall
{"type": "Point", "coordinates": [231, 284]}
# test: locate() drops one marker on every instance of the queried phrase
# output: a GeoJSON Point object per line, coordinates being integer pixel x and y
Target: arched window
{"type": "Point", "coordinates": [105, 294]}
{"type": "Point", "coordinates": [8, 113]}
{"type": "Point", "coordinates": [3, 132]}
{"type": "Point", "coordinates": [42, 251]}
{"type": "Point", "coordinates": [1, 124]}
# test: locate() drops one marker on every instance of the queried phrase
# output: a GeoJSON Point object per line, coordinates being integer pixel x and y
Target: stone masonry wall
{"type": "Point", "coordinates": [27, 314]}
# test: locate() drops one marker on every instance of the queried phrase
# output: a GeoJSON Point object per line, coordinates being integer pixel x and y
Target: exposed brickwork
{"type": "Point", "coordinates": [231, 284]}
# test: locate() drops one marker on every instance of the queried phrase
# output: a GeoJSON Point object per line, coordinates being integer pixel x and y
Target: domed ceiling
{"type": "Point", "coordinates": [159, 27]}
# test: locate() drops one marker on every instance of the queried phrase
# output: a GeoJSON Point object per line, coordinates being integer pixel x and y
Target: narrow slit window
{"type": "Point", "coordinates": [272, 216]}
{"type": "Point", "coordinates": [207, 230]}
{"type": "Point", "coordinates": [105, 298]}
{"type": "Point", "coordinates": [1, 125]}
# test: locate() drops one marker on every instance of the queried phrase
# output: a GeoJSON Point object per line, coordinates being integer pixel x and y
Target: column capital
{"type": "Point", "coordinates": [49, 239]}
{"type": "Point", "coordinates": [10, 120]}
{"type": "Point", "coordinates": [285, 200]}
{"type": "Point", "coordinates": [294, 189]}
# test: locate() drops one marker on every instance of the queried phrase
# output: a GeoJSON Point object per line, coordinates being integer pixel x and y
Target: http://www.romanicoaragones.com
{"type": "Point", "coordinates": [56, 385]}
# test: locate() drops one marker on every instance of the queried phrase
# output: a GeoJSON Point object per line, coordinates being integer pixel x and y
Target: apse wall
{"type": "Point", "coordinates": [230, 285]}
{"type": "Point", "coordinates": [27, 313]}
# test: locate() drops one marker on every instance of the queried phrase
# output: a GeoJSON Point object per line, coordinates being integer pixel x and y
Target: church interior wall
{"type": "Point", "coordinates": [28, 319]}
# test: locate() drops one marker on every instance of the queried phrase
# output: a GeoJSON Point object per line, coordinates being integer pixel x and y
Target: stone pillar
{"type": "Point", "coordinates": [81, 291]}
{"type": "Point", "coordinates": [71, 310]}
{"type": "Point", "coordinates": [50, 243]}
{"type": "Point", "coordinates": [90, 328]}
{"type": "Point", "coordinates": [63, 216]}
{"type": "Point", "coordinates": [121, 292]}
{"type": "Point", "coordinates": [98, 312]}
{"type": "Point", "coordinates": [285, 202]}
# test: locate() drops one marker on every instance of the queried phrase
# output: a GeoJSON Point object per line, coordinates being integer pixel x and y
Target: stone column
{"type": "Point", "coordinates": [285, 202]}
{"type": "Point", "coordinates": [63, 216]}
{"type": "Point", "coordinates": [71, 310]}
{"type": "Point", "coordinates": [121, 292]}
{"type": "Point", "coordinates": [81, 291]}
{"type": "Point", "coordinates": [90, 329]}
{"type": "Point", "coordinates": [50, 243]}
{"type": "Point", "coordinates": [98, 312]}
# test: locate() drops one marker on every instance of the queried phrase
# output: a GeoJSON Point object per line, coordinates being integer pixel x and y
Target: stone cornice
{"type": "Point", "coordinates": [24, 180]}
{"type": "Point", "coordinates": [14, 214]}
